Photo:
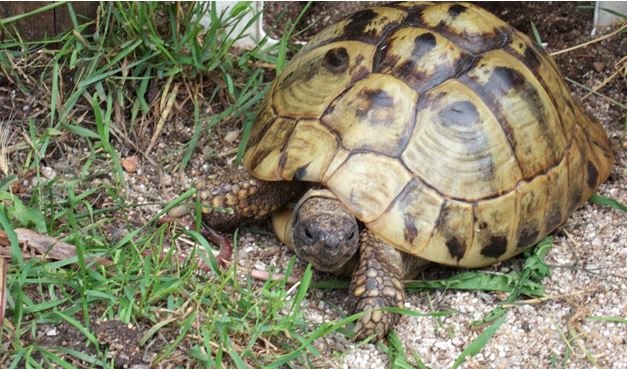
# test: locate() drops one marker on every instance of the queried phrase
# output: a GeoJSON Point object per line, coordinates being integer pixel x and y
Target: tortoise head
{"type": "Point", "coordinates": [325, 233]}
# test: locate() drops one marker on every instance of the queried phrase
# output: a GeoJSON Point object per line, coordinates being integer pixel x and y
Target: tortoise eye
{"type": "Point", "coordinates": [336, 60]}
{"type": "Point", "coordinates": [308, 233]}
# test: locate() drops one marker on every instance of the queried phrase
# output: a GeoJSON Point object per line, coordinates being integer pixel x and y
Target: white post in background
{"type": "Point", "coordinates": [603, 18]}
{"type": "Point", "coordinates": [254, 34]}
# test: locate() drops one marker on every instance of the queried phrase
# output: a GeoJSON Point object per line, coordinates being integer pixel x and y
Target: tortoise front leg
{"type": "Point", "coordinates": [235, 198]}
{"type": "Point", "coordinates": [378, 283]}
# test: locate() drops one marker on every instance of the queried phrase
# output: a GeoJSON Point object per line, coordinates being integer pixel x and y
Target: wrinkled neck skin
{"type": "Point", "coordinates": [324, 232]}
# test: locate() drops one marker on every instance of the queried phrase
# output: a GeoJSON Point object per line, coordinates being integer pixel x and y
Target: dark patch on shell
{"type": "Point", "coordinates": [593, 174]}
{"type": "Point", "coordinates": [380, 55]}
{"type": "Point", "coordinates": [528, 236]}
{"type": "Point", "coordinates": [300, 172]}
{"type": "Point", "coordinates": [444, 212]}
{"type": "Point", "coordinates": [410, 232]}
{"type": "Point", "coordinates": [377, 99]}
{"type": "Point", "coordinates": [532, 58]}
{"type": "Point", "coordinates": [360, 74]}
{"type": "Point", "coordinates": [456, 247]}
{"type": "Point", "coordinates": [336, 60]}
{"type": "Point", "coordinates": [259, 155]}
{"type": "Point", "coordinates": [574, 198]}
{"type": "Point", "coordinates": [282, 161]}
{"type": "Point", "coordinates": [504, 79]}
{"type": "Point", "coordinates": [258, 134]}
{"type": "Point", "coordinates": [456, 10]}
{"type": "Point", "coordinates": [355, 29]}
{"type": "Point", "coordinates": [414, 16]}
{"type": "Point", "coordinates": [475, 43]}
{"type": "Point", "coordinates": [423, 44]}
{"type": "Point", "coordinates": [554, 218]}
{"type": "Point", "coordinates": [496, 247]}
{"type": "Point", "coordinates": [459, 113]}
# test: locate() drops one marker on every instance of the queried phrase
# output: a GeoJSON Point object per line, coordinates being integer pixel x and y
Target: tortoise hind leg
{"type": "Point", "coordinates": [377, 283]}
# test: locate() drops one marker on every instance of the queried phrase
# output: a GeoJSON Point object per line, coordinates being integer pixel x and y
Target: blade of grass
{"type": "Point", "coordinates": [605, 201]}
{"type": "Point", "coordinates": [54, 97]}
{"type": "Point", "coordinates": [612, 319]}
{"type": "Point", "coordinates": [396, 354]}
{"type": "Point", "coordinates": [478, 343]}
{"type": "Point", "coordinates": [76, 324]}
{"type": "Point", "coordinates": [186, 325]}
{"type": "Point", "coordinates": [536, 34]}
{"type": "Point", "coordinates": [44, 8]}
{"type": "Point", "coordinates": [3, 288]}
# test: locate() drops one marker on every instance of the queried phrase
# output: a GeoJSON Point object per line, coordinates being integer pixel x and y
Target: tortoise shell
{"type": "Point", "coordinates": [447, 132]}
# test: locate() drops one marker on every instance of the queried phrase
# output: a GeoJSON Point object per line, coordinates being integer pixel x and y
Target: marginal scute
{"type": "Point", "coordinates": [531, 209]}
{"type": "Point", "coordinates": [366, 183]}
{"type": "Point", "coordinates": [458, 147]}
{"type": "Point", "coordinates": [265, 119]}
{"type": "Point", "coordinates": [577, 188]}
{"type": "Point", "coordinates": [453, 233]}
{"type": "Point", "coordinates": [263, 158]}
{"type": "Point", "coordinates": [495, 237]}
{"type": "Point", "coordinates": [375, 114]}
{"type": "Point", "coordinates": [305, 159]}
{"type": "Point", "coordinates": [557, 199]}
{"type": "Point", "coordinates": [597, 147]}
{"type": "Point", "coordinates": [414, 210]}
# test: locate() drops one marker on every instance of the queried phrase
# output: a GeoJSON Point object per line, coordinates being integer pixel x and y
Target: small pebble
{"type": "Point", "coordinates": [167, 180]}
{"type": "Point", "coordinates": [48, 173]}
{"type": "Point", "coordinates": [231, 136]}
{"type": "Point", "coordinates": [260, 265]}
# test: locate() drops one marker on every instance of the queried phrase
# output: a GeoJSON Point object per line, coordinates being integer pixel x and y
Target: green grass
{"type": "Point", "coordinates": [114, 91]}
{"type": "Point", "coordinates": [213, 318]}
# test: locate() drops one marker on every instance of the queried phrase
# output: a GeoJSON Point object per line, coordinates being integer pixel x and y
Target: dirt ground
{"type": "Point", "coordinates": [589, 259]}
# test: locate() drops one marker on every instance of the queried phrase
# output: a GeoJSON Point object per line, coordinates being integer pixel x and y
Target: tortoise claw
{"type": "Point", "coordinates": [226, 248]}
{"type": "Point", "coordinates": [225, 255]}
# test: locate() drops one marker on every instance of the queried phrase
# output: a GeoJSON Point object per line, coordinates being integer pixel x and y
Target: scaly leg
{"type": "Point", "coordinates": [236, 198]}
{"type": "Point", "coordinates": [378, 283]}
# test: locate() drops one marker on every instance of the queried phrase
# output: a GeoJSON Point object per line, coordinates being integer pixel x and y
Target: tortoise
{"type": "Point", "coordinates": [421, 133]}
